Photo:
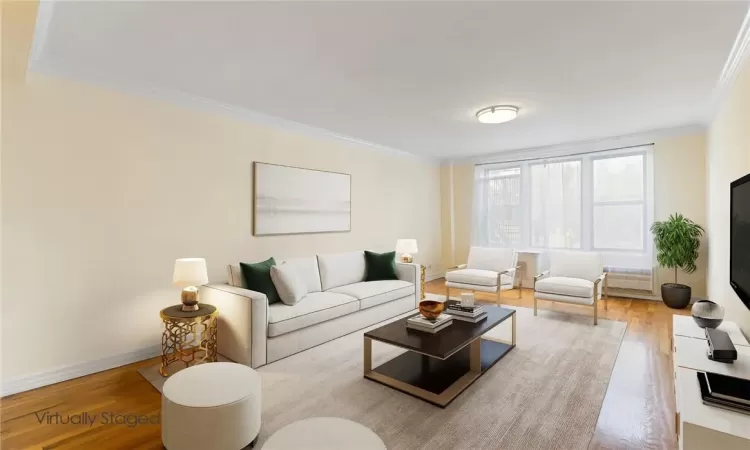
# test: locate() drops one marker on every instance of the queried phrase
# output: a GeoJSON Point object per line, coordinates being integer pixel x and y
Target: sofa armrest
{"type": "Point", "coordinates": [408, 272]}
{"type": "Point", "coordinates": [540, 276]}
{"type": "Point", "coordinates": [511, 272]}
{"type": "Point", "coordinates": [457, 267]}
{"type": "Point", "coordinates": [413, 274]}
{"type": "Point", "coordinates": [597, 289]}
{"type": "Point", "coordinates": [243, 322]}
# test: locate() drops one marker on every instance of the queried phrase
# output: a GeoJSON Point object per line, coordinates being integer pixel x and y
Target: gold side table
{"type": "Point", "coordinates": [189, 336]}
{"type": "Point", "coordinates": [422, 281]}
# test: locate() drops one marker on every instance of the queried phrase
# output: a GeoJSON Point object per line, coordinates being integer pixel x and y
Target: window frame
{"type": "Point", "coordinates": [480, 225]}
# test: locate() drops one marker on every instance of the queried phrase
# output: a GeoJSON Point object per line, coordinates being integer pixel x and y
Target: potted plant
{"type": "Point", "coordinates": [677, 241]}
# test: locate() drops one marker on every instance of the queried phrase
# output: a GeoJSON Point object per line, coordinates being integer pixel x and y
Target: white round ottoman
{"type": "Point", "coordinates": [212, 406]}
{"type": "Point", "coordinates": [324, 433]}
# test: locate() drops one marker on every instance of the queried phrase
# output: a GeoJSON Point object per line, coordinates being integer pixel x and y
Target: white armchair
{"type": "Point", "coordinates": [487, 270]}
{"type": "Point", "coordinates": [573, 277]}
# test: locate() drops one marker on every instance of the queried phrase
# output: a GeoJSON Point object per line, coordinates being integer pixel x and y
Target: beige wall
{"type": "Point", "coordinates": [728, 158]}
{"type": "Point", "coordinates": [463, 185]}
{"type": "Point", "coordinates": [101, 191]}
{"type": "Point", "coordinates": [460, 179]}
{"type": "Point", "coordinates": [446, 213]}
{"type": "Point", "coordinates": [679, 186]}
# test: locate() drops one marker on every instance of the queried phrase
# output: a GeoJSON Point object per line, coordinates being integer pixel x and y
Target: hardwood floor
{"type": "Point", "coordinates": [638, 410]}
{"type": "Point", "coordinates": [119, 391]}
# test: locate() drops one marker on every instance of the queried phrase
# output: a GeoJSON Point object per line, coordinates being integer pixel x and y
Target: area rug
{"type": "Point", "coordinates": [545, 393]}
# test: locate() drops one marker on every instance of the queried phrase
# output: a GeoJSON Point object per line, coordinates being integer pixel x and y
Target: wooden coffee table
{"type": "Point", "coordinates": [438, 367]}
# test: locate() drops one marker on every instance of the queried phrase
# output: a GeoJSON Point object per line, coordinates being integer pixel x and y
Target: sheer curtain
{"type": "Point", "coordinates": [556, 205]}
{"type": "Point", "coordinates": [497, 215]}
{"type": "Point", "coordinates": [593, 202]}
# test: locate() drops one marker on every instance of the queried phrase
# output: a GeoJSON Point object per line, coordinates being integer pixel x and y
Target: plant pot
{"type": "Point", "coordinates": [675, 296]}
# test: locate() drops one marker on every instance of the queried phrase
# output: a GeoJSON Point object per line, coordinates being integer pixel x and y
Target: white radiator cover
{"type": "Point", "coordinates": [631, 279]}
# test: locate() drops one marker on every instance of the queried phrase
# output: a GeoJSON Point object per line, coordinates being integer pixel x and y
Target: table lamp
{"type": "Point", "coordinates": [189, 273]}
{"type": "Point", "coordinates": [406, 247]}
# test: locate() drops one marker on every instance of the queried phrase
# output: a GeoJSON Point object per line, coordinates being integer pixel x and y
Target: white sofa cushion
{"type": "Point", "coordinates": [307, 268]}
{"type": "Point", "coordinates": [565, 298]}
{"type": "Point", "coordinates": [572, 287]}
{"type": "Point", "coordinates": [586, 265]}
{"type": "Point", "coordinates": [234, 276]}
{"type": "Point", "coordinates": [495, 259]}
{"type": "Point", "coordinates": [476, 277]}
{"type": "Point", "coordinates": [290, 286]}
{"type": "Point", "coordinates": [477, 287]}
{"type": "Point", "coordinates": [372, 293]}
{"type": "Point", "coordinates": [339, 269]}
{"type": "Point", "coordinates": [290, 343]}
{"type": "Point", "coordinates": [315, 308]}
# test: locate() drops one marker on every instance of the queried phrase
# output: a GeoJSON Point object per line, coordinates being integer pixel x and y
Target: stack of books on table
{"type": "Point", "coordinates": [725, 392]}
{"type": "Point", "coordinates": [427, 325]}
{"type": "Point", "coordinates": [472, 314]}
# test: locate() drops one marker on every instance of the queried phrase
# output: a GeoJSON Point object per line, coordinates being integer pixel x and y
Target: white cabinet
{"type": "Point", "coordinates": [685, 326]}
{"type": "Point", "coordinates": [701, 426]}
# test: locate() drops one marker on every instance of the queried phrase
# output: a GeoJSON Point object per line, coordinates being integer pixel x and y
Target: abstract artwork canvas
{"type": "Point", "coordinates": [292, 200]}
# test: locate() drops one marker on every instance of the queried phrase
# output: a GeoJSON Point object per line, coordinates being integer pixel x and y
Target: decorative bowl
{"type": "Point", "coordinates": [707, 314]}
{"type": "Point", "coordinates": [431, 309]}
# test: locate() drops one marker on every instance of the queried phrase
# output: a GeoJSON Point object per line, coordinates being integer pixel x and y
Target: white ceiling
{"type": "Point", "coordinates": [411, 76]}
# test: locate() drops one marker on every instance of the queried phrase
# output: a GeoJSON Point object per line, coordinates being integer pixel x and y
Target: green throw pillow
{"type": "Point", "coordinates": [380, 266]}
{"type": "Point", "coordinates": [258, 278]}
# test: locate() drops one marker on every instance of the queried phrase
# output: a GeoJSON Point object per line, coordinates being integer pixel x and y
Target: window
{"type": "Point", "coordinates": [504, 207]}
{"type": "Point", "coordinates": [599, 202]}
{"type": "Point", "coordinates": [619, 203]}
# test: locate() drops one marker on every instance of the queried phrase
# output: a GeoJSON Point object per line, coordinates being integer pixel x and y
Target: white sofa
{"type": "Point", "coordinates": [339, 302]}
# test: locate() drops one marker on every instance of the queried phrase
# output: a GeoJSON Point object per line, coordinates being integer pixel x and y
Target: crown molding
{"type": "Point", "coordinates": [58, 69]}
{"type": "Point", "coordinates": [189, 101]}
{"type": "Point", "coordinates": [737, 55]}
{"type": "Point", "coordinates": [594, 145]}
{"type": "Point", "coordinates": [197, 103]}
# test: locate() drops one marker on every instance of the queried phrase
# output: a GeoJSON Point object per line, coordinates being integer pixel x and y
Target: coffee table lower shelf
{"type": "Point", "coordinates": [437, 381]}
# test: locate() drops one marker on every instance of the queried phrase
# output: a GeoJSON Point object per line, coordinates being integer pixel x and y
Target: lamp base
{"type": "Point", "coordinates": [189, 299]}
{"type": "Point", "coordinates": [406, 258]}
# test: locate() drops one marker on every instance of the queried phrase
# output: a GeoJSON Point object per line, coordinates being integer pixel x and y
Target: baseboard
{"type": "Point", "coordinates": [65, 373]}
{"type": "Point", "coordinates": [433, 276]}
{"type": "Point", "coordinates": [635, 295]}
{"type": "Point", "coordinates": [655, 298]}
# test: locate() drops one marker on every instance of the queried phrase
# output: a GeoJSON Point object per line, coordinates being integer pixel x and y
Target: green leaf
{"type": "Point", "coordinates": [677, 242]}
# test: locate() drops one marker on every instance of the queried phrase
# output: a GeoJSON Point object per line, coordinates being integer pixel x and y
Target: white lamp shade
{"type": "Point", "coordinates": [406, 246]}
{"type": "Point", "coordinates": [190, 272]}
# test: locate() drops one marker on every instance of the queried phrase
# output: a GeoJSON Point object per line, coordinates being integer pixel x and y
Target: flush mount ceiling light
{"type": "Point", "coordinates": [497, 114]}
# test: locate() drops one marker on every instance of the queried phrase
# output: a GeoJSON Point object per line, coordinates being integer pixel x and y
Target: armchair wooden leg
{"type": "Point", "coordinates": [447, 293]}
{"type": "Point", "coordinates": [497, 295]}
{"type": "Point", "coordinates": [535, 303]}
